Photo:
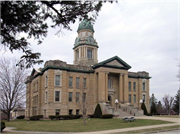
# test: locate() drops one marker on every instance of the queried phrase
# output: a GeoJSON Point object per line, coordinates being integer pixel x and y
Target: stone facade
{"type": "Point", "coordinates": [59, 88]}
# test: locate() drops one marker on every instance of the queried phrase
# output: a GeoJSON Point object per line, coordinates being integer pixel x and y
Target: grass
{"type": "Point", "coordinates": [153, 129]}
{"type": "Point", "coordinates": [77, 125]}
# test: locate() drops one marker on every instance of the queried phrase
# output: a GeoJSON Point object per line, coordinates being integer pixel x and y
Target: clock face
{"type": "Point", "coordinates": [84, 24]}
{"type": "Point", "coordinates": [91, 40]}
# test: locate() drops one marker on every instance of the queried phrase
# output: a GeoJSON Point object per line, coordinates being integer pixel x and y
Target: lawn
{"type": "Point", "coordinates": [77, 125]}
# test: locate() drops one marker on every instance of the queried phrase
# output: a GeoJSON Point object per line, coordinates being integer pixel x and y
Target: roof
{"type": "Point", "coordinates": [85, 24]}
{"type": "Point", "coordinates": [114, 62]}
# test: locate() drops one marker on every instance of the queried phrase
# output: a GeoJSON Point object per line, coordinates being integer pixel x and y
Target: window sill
{"type": "Point", "coordinates": [57, 86]}
{"type": "Point", "coordinates": [57, 101]}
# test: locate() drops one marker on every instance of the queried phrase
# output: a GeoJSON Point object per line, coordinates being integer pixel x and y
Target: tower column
{"type": "Point", "coordinates": [74, 55]}
{"type": "Point", "coordinates": [79, 52]}
{"type": "Point", "coordinates": [85, 51]}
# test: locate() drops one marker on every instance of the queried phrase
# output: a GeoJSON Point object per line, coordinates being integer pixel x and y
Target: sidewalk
{"type": "Point", "coordinates": [175, 120]}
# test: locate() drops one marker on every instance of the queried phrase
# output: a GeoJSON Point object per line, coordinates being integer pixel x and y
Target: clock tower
{"type": "Point", "coordinates": [85, 46]}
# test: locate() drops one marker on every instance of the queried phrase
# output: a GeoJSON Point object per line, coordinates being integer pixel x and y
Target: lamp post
{"type": "Point", "coordinates": [140, 102]}
{"type": "Point", "coordinates": [116, 102]}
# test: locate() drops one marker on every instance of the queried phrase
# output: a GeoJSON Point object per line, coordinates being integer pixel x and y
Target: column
{"type": "Point", "coordinates": [120, 88]}
{"type": "Point", "coordinates": [101, 87]}
{"type": "Point", "coordinates": [125, 90]}
{"type": "Point", "coordinates": [106, 86]}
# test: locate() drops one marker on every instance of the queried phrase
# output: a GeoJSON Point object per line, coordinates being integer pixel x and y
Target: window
{"type": "Point", "coordinates": [70, 96]}
{"type": "Point", "coordinates": [129, 86]}
{"type": "Point", "coordinates": [134, 98]}
{"type": "Point", "coordinates": [34, 88]}
{"type": "Point", "coordinates": [89, 33]}
{"type": "Point", "coordinates": [77, 111]}
{"type": "Point", "coordinates": [129, 98]}
{"type": "Point", "coordinates": [70, 111]}
{"type": "Point", "coordinates": [77, 54]}
{"type": "Point", "coordinates": [70, 81]}
{"type": "Point", "coordinates": [57, 112]}
{"type": "Point", "coordinates": [134, 86]}
{"type": "Point", "coordinates": [84, 97]}
{"type": "Point", "coordinates": [144, 98]}
{"type": "Point", "coordinates": [84, 82]}
{"type": "Point", "coordinates": [110, 82]}
{"type": "Point", "coordinates": [143, 86]}
{"type": "Point", "coordinates": [57, 80]}
{"type": "Point", "coordinates": [77, 82]}
{"type": "Point", "coordinates": [77, 96]}
{"type": "Point", "coordinates": [89, 53]}
{"type": "Point", "coordinates": [57, 95]}
{"type": "Point", "coordinates": [37, 99]}
{"type": "Point", "coordinates": [37, 86]}
{"type": "Point", "coordinates": [83, 34]}
{"type": "Point", "coordinates": [46, 97]}
{"type": "Point", "coordinates": [46, 81]}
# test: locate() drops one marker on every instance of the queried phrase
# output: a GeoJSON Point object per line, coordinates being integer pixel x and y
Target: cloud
{"type": "Point", "coordinates": [144, 34]}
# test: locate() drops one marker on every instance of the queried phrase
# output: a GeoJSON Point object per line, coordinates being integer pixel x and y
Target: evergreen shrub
{"type": "Point", "coordinates": [3, 126]}
{"type": "Point", "coordinates": [107, 116]}
{"type": "Point", "coordinates": [97, 112]}
{"type": "Point", "coordinates": [36, 117]}
{"type": "Point", "coordinates": [90, 115]}
{"type": "Point", "coordinates": [143, 107]}
{"type": "Point", "coordinates": [64, 117]}
{"type": "Point", "coordinates": [21, 117]}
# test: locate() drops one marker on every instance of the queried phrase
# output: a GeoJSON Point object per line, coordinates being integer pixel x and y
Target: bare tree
{"type": "Point", "coordinates": [168, 101]}
{"type": "Point", "coordinates": [83, 101]}
{"type": "Point", "coordinates": [12, 85]}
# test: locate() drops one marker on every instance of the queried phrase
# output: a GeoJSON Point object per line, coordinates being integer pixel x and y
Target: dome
{"type": "Point", "coordinates": [85, 24]}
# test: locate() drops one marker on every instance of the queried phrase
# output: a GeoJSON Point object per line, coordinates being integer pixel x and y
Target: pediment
{"type": "Point", "coordinates": [114, 63]}
{"type": "Point", "coordinates": [35, 71]}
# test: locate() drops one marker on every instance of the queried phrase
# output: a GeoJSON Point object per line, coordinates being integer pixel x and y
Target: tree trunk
{"type": "Point", "coordinates": [8, 116]}
{"type": "Point", "coordinates": [84, 119]}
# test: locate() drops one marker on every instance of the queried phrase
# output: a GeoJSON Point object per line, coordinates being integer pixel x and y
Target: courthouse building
{"type": "Point", "coordinates": [56, 88]}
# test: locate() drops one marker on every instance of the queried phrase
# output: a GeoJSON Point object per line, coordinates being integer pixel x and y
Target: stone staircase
{"type": "Point", "coordinates": [130, 110]}
{"type": "Point", "coordinates": [122, 111]}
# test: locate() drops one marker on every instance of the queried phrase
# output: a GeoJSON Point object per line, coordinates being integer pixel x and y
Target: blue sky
{"type": "Point", "coordinates": [144, 34]}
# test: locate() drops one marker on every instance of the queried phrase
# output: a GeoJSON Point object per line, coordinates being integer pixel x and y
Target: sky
{"type": "Point", "coordinates": [145, 34]}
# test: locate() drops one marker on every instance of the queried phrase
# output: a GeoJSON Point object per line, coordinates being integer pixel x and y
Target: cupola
{"type": "Point", "coordinates": [85, 46]}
